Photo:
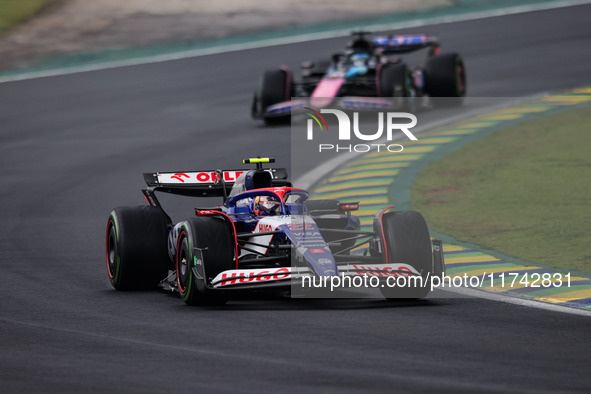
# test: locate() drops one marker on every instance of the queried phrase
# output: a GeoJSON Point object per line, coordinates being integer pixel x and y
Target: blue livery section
{"type": "Point", "coordinates": [397, 41]}
{"type": "Point", "coordinates": [310, 246]}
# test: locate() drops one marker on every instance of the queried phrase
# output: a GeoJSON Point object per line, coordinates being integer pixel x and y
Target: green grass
{"type": "Point", "coordinates": [524, 191]}
{"type": "Point", "coordinates": [13, 12]}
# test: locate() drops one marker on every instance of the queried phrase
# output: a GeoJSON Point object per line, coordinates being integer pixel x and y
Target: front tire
{"type": "Point", "coordinates": [274, 87]}
{"type": "Point", "coordinates": [205, 248]}
{"type": "Point", "coordinates": [137, 254]}
{"type": "Point", "coordinates": [407, 241]}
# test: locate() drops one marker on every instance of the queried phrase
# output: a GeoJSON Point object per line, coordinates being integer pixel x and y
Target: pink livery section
{"type": "Point", "coordinates": [325, 91]}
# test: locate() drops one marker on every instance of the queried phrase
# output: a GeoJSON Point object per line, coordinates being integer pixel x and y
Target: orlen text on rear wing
{"type": "Point", "coordinates": [206, 183]}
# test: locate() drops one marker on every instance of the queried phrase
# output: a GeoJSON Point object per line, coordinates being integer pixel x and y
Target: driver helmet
{"type": "Point", "coordinates": [359, 59]}
{"type": "Point", "coordinates": [266, 205]}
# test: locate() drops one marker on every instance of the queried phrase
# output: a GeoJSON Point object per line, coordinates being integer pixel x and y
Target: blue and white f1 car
{"type": "Point", "coordinates": [363, 76]}
{"type": "Point", "coordinates": [266, 236]}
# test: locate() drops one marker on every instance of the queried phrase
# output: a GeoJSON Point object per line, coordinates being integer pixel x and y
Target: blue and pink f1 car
{"type": "Point", "coordinates": [363, 76]}
{"type": "Point", "coordinates": [266, 236]}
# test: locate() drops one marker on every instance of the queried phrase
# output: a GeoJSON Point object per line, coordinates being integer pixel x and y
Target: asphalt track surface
{"type": "Point", "coordinates": [75, 146]}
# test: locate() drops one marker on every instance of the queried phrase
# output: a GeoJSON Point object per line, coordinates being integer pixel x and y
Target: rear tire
{"type": "Point", "coordinates": [205, 248]}
{"type": "Point", "coordinates": [445, 76]}
{"type": "Point", "coordinates": [407, 241]}
{"type": "Point", "coordinates": [137, 254]}
{"type": "Point", "coordinates": [273, 88]}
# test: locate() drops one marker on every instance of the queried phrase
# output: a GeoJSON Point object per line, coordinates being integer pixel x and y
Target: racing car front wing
{"type": "Point", "coordinates": [249, 278]}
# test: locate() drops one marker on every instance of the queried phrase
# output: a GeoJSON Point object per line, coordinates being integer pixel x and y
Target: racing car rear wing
{"type": "Point", "coordinates": [406, 43]}
{"type": "Point", "coordinates": [206, 183]}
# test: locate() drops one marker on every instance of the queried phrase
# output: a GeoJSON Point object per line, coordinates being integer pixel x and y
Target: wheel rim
{"type": "Point", "coordinates": [112, 251]}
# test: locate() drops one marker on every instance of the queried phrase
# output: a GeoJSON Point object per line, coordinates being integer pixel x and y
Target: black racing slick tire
{"type": "Point", "coordinates": [395, 81]}
{"type": "Point", "coordinates": [445, 76]}
{"type": "Point", "coordinates": [407, 241]}
{"type": "Point", "coordinates": [137, 254]}
{"type": "Point", "coordinates": [206, 247]}
{"type": "Point", "coordinates": [274, 87]}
